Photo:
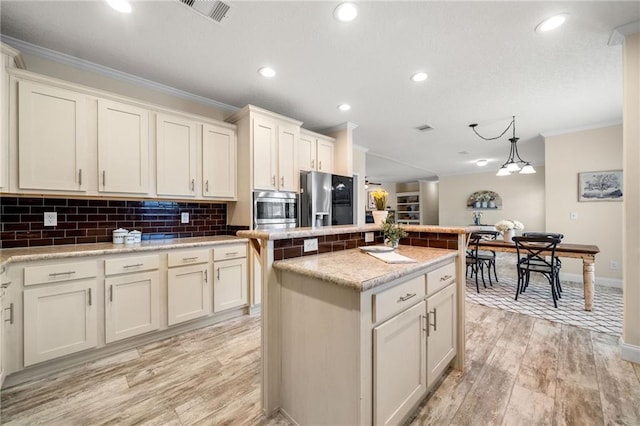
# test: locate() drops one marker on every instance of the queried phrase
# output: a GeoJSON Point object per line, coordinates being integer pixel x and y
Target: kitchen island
{"type": "Point", "coordinates": [322, 302]}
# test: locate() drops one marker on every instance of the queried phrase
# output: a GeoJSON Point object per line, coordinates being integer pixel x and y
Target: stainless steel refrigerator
{"type": "Point", "coordinates": [326, 199]}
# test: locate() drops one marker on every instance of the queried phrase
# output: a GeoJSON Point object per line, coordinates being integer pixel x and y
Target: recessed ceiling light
{"type": "Point", "coordinates": [551, 23]}
{"type": "Point", "coordinates": [419, 76]}
{"type": "Point", "coordinates": [345, 12]}
{"type": "Point", "coordinates": [121, 6]}
{"type": "Point", "coordinates": [482, 163]}
{"type": "Point", "coordinates": [344, 107]}
{"type": "Point", "coordinates": [267, 72]}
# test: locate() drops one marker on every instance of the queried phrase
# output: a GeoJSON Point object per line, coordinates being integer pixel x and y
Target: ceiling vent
{"type": "Point", "coordinates": [217, 10]}
{"type": "Point", "coordinates": [424, 128]}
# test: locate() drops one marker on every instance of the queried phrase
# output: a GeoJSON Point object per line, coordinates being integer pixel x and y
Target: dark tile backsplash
{"type": "Point", "coordinates": [93, 220]}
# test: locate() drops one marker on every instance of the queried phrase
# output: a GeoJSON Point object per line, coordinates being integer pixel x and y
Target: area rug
{"type": "Point", "coordinates": [536, 301]}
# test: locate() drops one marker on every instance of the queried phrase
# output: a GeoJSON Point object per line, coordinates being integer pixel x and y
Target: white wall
{"type": "Point", "coordinates": [598, 222]}
{"type": "Point", "coordinates": [360, 169]}
{"type": "Point", "coordinates": [429, 202]}
{"type": "Point", "coordinates": [522, 196]}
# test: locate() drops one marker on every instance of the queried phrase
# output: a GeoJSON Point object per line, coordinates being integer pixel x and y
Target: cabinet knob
{"type": "Point", "coordinates": [193, 185]}
{"type": "Point", "coordinates": [281, 180]}
{"type": "Point", "coordinates": [320, 165]}
{"type": "Point", "coordinates": [273, 180]}
{"type": "Point", "coordinates": [206, 186]}
{"type": "Point", "coordinates": [312, 164]}
{"type": "Point", "coordinates": [104, 178]}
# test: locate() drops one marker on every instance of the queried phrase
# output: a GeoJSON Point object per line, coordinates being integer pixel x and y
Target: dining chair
{"type": "Point", "coordinates": [537, 254]}
{"type": "Point", "coordinates": [477, 259]}
{"type": "Point", "coordinates": [558, 263]}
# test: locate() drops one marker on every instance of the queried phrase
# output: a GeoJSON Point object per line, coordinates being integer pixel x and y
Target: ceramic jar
{"type": "Point", "coordinates": [137, 235]}
{"type": "Point", "coordinates": [118, 235]}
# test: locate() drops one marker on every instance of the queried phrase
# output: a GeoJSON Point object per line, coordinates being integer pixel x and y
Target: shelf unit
{"type": "Point", "coordinates": [408, 208]}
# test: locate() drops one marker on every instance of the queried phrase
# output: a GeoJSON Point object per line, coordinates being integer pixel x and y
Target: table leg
{"type": "Point", "coordinates": [588, 277]}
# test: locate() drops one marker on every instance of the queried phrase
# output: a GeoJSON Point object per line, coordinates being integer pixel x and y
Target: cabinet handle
{"type": "Point", "coordinates": [80, 177]}
{"type": "Point", "coordinates": [218, 273]}
{"type": "Point", "coordinates": [445, 278]}
{"type": "Point", "coordinates": [232, 253]}
{"type": "Point", "coordinates": [10, 320]}
{"type": "Point", "coordinates": [189, 259]}
{"type": "Point", "coordinates": [132, 266]}
{"type": "Point", "coordinates": [313, 163]}
{"type": "Point", "coordinates": [111, 293]}
{"type": "Point", "coordinates": [406, 297]}
{"type": "Point", "coordinates": [193, 185]}
{"type": "Point", "coordinates": [55, 274]}
{"type": "Point", "coordinates": [426, 323]}
{"type": "Point", "coordinates": [320, 165]}
{"type": "Point", "coordinates": [435, 319]}
{"type": "Point", "coordinates": [281, 180]}
{"type": "Point", "coordinates": [273, 180]}
{"type": "Point", "coordinates": [89, 297]}
{"type": "Point", "coordinates": [104, 178]}
{"type": "Point", "coordinates": [206, 276]}
{"type": "Point", "coordinates": [206, 186]}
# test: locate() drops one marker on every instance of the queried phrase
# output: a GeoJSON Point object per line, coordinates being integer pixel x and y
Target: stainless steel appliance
{"type": "Point", "coordinates": [326, 199]}
{"type": "Point", "coordinates": [273, 210]}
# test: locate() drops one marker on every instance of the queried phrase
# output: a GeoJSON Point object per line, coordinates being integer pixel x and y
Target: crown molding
{"type": "Point", "coordinates": [581, 129]}
{"type": "Point", "coordinates": [620, 33]}
{"type": "Point", "coordinates": [63, 58]}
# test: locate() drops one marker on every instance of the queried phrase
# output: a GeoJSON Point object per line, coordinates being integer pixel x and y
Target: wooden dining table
{"type": "Point", "coordinates": [575, 251]}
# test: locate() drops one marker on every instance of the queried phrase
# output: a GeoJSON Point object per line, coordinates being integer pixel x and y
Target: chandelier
{"type": "Point", "coordinates": [514, 161]}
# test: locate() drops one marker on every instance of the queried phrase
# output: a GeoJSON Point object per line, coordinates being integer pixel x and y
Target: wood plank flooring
{"type": "Point", "coordinates": [521, 371]}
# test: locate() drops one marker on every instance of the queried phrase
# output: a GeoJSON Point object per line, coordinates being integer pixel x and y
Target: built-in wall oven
{"type": "Point", "coordinates": [273, 210]}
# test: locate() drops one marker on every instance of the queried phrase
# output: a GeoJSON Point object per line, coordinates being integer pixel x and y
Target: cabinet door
{"type": "Point", "coordinates": [176, 156]}
{"type": "Point", "coordinates": [264, 155]}
{"type": "Point", "coordinates": [59, 319]}
{"type": "Point", "coordinates": [5, 61]}
{"type": "Point", "coordinates": [52, 138]}
{"type": "Point", "coordinates": [132, 305]}
{"type": "Point", "coordinates": [218, 162]}
{"type": "Point", "coordinates": [399, 365]}
{"type": "Point", "coordinates": [441, 340]}
{"type": "Point", "coordinates": [189, 293]}
{"type": "Point", "coordinates": [123, 148]}
{"type": "Point", "coordinates": [230, 285]}
{"type": "Point", "coordinates": [288, 157]}
{"type": "Point", "coordinates": [325, 156]}
{"type": "Point", "coordinates": [306, 152]}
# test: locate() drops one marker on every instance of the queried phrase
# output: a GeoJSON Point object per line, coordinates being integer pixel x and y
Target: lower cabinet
{"type": "Point", "coordinates": [60, 319]}
{"type": "Point", "coordinates": [132, 305]}
{"type": "Point", "coordinates": [230, 285]}
{"type": "Point", "coordinates": [189, 293]}
{"type": "Point", "coordinates": [441, 340]}
{"type": "Point", "coordinates": [399, 365]}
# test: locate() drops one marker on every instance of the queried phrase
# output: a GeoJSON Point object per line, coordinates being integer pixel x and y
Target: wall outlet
{"type": "Point", "coordinates": [311, 245]}
{"type": "Point", "coordinates": [613, 264]}
{"type": "Point", "coordinates": [368, 237]}
{"type": "Point", "coordinates": [50, 219]}
{"type": "Point", "coordinates": [184, 217]}
{"type": "Point", "coordinates": [573, 216]}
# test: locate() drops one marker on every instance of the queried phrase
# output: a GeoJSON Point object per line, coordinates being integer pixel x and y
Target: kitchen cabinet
{"type": "Point", "coordinates": [8, 57]}
{"type": "Point", "coordinates": [315, 152]}
{"type": "Point", "coordinates": [218, 162]}
{"type": "Point", "coordinates": [399, 368]}
{"type": "Point", "coordinates": [265, 149]}
{"type": "Point", "coordinates": [175, 156]}
{"type": "Point", "coordinates": [4, 283]}
{"type": "Point", "coordinates": [230, 284]}
{"type": "Point", "coordinates": [51, 117]}
{"type": "Point", "coordinates": [441, 332]}
{"type": "Point", "coordinates": [132, 297]}
{"type": "Point", "coordinates": [123, 148]}
{"type": "Point", "coordinates": [188, 287]}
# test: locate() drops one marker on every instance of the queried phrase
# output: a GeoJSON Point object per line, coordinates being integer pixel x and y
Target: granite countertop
{"type": "Point", "coordinates": [79, 250]}
{"type": "Point", "coordinates": [361, 271]}
{"type": "Point", "coordinates": [282, 234]}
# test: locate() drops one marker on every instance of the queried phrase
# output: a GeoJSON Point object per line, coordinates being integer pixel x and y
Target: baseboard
{"type": "Point", "coordinates": [577, 278]}
{"type": "Point", "coordinates": [629, 352]}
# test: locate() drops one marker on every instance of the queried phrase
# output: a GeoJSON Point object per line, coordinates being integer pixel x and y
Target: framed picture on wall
{"type": "Point", "coordinates": [600, 186]}
{"type": "Point", "coordinates": [371, 203]}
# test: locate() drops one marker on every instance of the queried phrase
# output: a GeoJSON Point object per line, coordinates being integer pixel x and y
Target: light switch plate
{"type": "Point", "coordinates": [311, 244]}
{"type": "Point", "coordinates": [184, 217]}
{"type": "Point", "coordinates": [50, 219]}
{"type": "Point", "coordinates": [368, 237]}
{"type": "Point", "coordinates": [573, 216]}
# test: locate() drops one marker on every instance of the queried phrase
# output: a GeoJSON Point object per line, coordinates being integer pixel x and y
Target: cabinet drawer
{"type": "Point", "coordinates": [59, 272]}
{"type": "Point", "coordinates": [190, 257]}
{"type": "Point", "coordinates": [232, 251]}
{"type": "Point", "coordinates": [441, 277]}
{"type": "Point", "coordinates": [397, 298]}
{"type": "Point", "coordinates": [131, 264]}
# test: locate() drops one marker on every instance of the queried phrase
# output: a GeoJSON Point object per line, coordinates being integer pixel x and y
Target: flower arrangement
{"type": "Point", "coordinates": [505, 225]}
{"type": "Point", "coordinates": [392, 231]}
{"type": "Point", "coordinates": [380, 198]}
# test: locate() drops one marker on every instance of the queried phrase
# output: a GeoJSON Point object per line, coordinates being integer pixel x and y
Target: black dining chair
{"type": "Point", "coordinates": [537, 254]}
{"type": "Point", "coordinates": [558, 263]}
{"type": "Point", "coordinates": [477, 259]}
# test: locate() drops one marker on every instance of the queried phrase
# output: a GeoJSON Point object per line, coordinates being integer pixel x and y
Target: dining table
{"type": "Point", "coordinates": [575, 251]}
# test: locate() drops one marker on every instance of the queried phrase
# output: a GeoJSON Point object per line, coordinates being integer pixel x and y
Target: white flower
{"type": "Point", "coordinates": [505, 225]}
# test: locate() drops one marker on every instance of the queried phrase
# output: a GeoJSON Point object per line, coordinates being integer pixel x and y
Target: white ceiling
{"type": "Point", "coordinates": [484, 60]}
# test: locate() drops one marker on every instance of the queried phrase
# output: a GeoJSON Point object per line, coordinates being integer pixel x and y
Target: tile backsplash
{"type": "Point", "coordinates": [93, 220]}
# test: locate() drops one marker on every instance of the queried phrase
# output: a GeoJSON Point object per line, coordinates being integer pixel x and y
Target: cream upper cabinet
{"type": "Point", "coordinates": [218, 162]}
{"type": "Point", "coordinates": [7, 60]}
{"type": "Point", "coordinates": [176, 156]}
{"type": "Point", "coordinates": [123, 148]}
{"type": "Point", "coordinates": [265, 148]}
{"type": "Point", "coordinates": [315, 152]}
{"type": "Point", "coordinates": [288, 157]}
{"type": "Point", "coordinates": [52, 139]}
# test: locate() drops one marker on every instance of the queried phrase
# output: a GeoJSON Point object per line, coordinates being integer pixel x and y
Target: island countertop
{"type": "Point", "coordinates": [361, 271]}
{"type": "Point", "coordinates": [281, 234]}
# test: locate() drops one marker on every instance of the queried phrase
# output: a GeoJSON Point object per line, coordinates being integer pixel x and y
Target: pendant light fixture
{"type": "Point", "coordinates": [514, 161]}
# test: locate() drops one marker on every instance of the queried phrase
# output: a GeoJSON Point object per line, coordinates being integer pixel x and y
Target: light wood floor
{"type": "Point", "coordinates": [520, 370]}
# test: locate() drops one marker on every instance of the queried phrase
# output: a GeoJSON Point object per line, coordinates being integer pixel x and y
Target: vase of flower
{"type": "Point", "coordinates": [380, 200]}
{"type": "Point", "coordinates": [508, 228]}
{"type": "Point", "coordinates": [509, 234]}
{"type": "Point", "coordinates": [392, 232]}
{"type": "Point", "coordinates": [379, 216]}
